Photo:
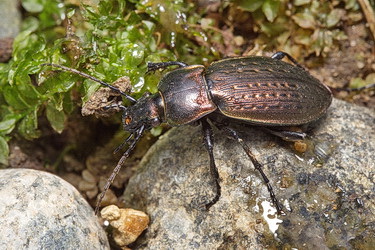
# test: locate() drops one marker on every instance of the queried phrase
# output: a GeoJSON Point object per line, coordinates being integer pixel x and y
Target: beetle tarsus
{"type": "Point", "coordinates": [287, 135]}
{"type": "Point", "coordinates": [369, 86]}
{"type": "Point", "coordinates": [113, 106]}
{"type": "Point", "coordinates": [280, 55]}
{"type": "Point", "coordinates": [209, 144]}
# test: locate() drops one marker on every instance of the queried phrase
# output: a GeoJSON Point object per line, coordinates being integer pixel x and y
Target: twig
{"type": "Point", "coordinates": [369, 14]}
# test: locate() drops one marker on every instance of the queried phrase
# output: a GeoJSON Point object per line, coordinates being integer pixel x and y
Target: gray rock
{"type": "Point", "coordinates": [10, 18]}
{"type": "Point", "coordinates": [328, 193]}
{"type": "Point", "coordinates": [9, 27]}
{"type": "Point", "coordinates": [39, 210]}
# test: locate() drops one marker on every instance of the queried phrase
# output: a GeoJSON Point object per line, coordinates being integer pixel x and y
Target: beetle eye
{"type": "Point", "coordinates": [128, 120]}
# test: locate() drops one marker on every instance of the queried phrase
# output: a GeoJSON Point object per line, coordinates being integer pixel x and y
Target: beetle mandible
{"type": "Point", "coordinates": [257, 90]}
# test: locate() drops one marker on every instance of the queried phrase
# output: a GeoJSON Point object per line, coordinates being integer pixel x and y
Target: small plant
{"type": "Point", "coordinates": [110, 40]}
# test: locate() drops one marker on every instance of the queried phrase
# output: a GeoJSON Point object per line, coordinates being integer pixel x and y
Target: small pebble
{"type": "Point", "coordinates": [128, 223]}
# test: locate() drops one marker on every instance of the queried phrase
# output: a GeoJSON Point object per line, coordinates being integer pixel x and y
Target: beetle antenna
{"type": "Point", "coordinates": [131, 99]}
{"type": "Point", "coordinates": [111, 178]}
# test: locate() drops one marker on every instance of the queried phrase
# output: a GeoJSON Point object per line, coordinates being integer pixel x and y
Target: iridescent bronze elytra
{"type": "Point", "coordinates": [262, 91]}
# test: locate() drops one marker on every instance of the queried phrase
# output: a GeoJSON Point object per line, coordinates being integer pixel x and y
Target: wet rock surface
{"type": "Point", "coordinates": [39, 210]}
{"type": "Point", "coordinates": [327, 192]}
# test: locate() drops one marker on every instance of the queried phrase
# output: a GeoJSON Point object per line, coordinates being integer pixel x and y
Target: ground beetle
{"type": "Point", "coordinates": [262, 91]}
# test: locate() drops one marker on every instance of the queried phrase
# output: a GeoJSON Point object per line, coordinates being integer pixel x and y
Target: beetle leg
{"type": "Point", "coordinates": [162, 65]}
{"type": "Point", "coordinates": [209, 144]}
{"type": "Point", "coordinates": [287, 135]}
{"type": "Point", "coordinates": [280, 55]}
{"type": "Point", "coordinates": [234, 135]}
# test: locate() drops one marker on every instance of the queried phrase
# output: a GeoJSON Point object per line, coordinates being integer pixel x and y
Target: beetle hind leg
{"type": "Point", "coordinates": [280, 55]}
{"type": "Point", "coordinates": [287, 135]}
{"type": "Point", "coordinates": [234, 135]}
{"type": "Point", "coordinates": [209, 144]}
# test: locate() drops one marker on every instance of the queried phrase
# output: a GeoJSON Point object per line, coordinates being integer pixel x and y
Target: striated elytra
{"type": "Point", "coordinates": [262, 91]}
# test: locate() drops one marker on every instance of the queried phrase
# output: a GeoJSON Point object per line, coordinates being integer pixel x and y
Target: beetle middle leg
{"type": "Point", "coordinates": [209, 144]}
{"type": "Point", "coordinates": [234, 135]}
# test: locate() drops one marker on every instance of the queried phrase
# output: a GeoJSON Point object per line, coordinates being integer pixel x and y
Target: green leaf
{"type": "Point", "coordinates": [33, 6]}
{"type": "Point", "coordinates": [29, 93]}
{"type": "Point", "coordinates": [68, 104]}
{"type": "Point", "coordinates": [30, 24]}
{"type": "Point", "coordinates": [9, 118]}
{"type": "Point", "coordinates": [301, 2]}
{"type": "Point", "coordinates": [13, 98]}
{"type": "Point", "coordinates": [7, 124]}
{"type": "Point", "coordinates": [304, 20]}
{"type": "Point", "coordinates": [57, 83]}
{"type": "Point", "coordinates": [105, 8]}
{"type": "Point", "coordinates": [322, 41]}
{"type": "Point", "coordinates": [56, 117]}
{"type": "Point", "coordinates": [334, 17]}
{"type": "Point", "coordinates": [270, 9]}
{"type": "Point", "coordinates": [156, 131]}
{"type": "Point", "coordinates": [370, 78]}
{"type": "Point", "coordinates": [303, 36]}
{"type": "Point", "coordinates": [52, 12]}
{"type": "Point", "coordinates": [271, 29]}
{"type": "Point", "coordinates": [28, 126]}
{"type": "Point", "coordinates": [251, 5]}
{"type": "Point", "coordinates": [21, 42]}
{"type": "Point", "coordinates": [351, 4]}
{"type": "Point", "coordinates": [89, 89]}
{"type": "Point", "coordinates": [4, 151]}
{"type": "Point", "coordinates": [70, 13]}
{"type": "Point", "coordinates": [131, 54]}
{"type": "Point", "coordinates": [357, 83]}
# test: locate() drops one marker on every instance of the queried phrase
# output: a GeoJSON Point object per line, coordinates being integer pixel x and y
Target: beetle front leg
{"type": "Point", "coordinates": [234, 135]}
{"type": "Point", "coordinates": [162, 65]}
{"type": "Point", "coordinates": [209, 144]}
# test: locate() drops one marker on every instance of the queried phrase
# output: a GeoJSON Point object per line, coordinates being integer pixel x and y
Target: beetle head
{"type": "Point", "coordinates": [144, 113]}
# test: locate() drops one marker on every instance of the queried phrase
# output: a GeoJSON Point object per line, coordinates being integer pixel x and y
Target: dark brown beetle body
{"type": "Point", "coordinates": [257, 90]}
